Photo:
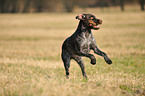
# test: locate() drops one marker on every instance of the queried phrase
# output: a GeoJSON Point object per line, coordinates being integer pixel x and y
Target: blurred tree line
{"type": "Point", "coordinates": [15, 6]}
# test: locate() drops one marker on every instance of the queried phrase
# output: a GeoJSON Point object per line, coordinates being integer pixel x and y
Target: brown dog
{"type": "Point", "coordinates": [81, 42]}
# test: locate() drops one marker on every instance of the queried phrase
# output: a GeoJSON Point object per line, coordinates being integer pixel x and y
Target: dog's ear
{"type": "Point", "coordinates": [81, 17]}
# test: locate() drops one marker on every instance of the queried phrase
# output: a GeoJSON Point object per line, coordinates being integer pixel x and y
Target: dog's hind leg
{"type": "Point", "coordinates": [79, 60]}
{"type": "Point", "coordinates": [66, 60]}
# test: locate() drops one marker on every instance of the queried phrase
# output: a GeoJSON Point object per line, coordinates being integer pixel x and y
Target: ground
{"type": "Point", "coordinates": [30, 48]}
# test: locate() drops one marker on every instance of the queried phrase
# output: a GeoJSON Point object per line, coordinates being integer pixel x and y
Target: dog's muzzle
{"type": "Point", "coordinates": [95, 23]}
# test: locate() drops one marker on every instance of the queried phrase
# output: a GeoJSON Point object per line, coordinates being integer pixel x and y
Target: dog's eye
{"type": "Point", "coordinates": [97, 20]}
{"type": "Point", "coordinates": [83, 16]}
{"type": "Point", "coordinates": [93, 18]}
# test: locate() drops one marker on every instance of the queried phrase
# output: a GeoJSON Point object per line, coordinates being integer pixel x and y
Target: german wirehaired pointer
{"type": "Point", "coordinates": [81, 42]}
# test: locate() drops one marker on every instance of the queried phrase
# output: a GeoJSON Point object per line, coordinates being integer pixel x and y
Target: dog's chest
{"type": "Point", "coordinates": [85, 42]}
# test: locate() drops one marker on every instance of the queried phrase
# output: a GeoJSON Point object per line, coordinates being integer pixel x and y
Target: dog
{"type": "Point", "coordinates": [81, 42]}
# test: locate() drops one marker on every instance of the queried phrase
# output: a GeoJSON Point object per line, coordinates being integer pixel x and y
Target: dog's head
{"type": "Point", "coordinates": [90, 21]}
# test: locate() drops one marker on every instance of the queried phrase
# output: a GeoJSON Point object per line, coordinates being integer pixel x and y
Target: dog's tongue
{"type": "Point", "coordinates": [96, 27]}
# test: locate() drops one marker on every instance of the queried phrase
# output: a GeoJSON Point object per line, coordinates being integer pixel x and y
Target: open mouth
{"type": "Point", "coordinates": [94, 26]}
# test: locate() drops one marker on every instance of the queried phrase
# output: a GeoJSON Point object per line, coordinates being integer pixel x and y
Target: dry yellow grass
{"type": "Point", "coordinates": [30, 47]}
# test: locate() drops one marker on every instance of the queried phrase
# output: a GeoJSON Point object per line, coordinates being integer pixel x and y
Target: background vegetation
{"type": "Point", "coordinates": [15, 6]}
{"type": "Point", "coordinates": [30, 47]}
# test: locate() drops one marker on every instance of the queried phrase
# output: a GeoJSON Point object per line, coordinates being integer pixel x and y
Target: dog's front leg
{"type": "Point", "coordinates": [103, 54]}
{"type": "Point", "coordinates": [86, 54]}
{"type": "Point", "coordinates": [92, 57]}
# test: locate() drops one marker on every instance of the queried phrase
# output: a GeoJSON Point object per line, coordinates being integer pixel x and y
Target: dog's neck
{"type": "Point", "coordinates": [82, 28]}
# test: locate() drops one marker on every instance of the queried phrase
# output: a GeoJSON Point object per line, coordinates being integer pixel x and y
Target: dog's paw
{"type": "Point", "coordinates": [108, 61]}
{"type": "Point", "coordinates": [93, 62]}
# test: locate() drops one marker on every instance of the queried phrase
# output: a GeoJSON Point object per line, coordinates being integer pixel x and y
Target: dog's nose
{"type": "Point", "coordinates": [100, 21]}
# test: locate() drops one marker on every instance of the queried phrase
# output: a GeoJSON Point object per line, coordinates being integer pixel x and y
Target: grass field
{"type": "Point", "coordinates": [30, 47]}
